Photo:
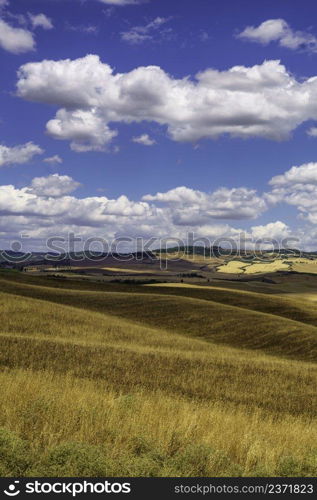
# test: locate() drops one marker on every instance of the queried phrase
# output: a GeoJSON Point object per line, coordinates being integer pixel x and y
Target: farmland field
{"type": "Point", "coordinates": [167, 380]}
{"type": "Point", "coordinates": [300, 265]}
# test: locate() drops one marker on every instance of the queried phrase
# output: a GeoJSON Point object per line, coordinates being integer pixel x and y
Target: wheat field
{"type": "Point", "coordinates": [113, 380]}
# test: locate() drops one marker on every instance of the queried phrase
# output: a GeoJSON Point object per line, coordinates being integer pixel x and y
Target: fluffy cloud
{"type": "Point", "coordinates": [305, 174]}
{"type": "Point", "coordinates": [180, 195]}
{"type": "Point", "coordinates": [47, 207]}
{"type": "Point", "coordinates": [15, 40]}
{"type": "Point", "coordinates": [53, 186]}
{"type": "Point", "coordinates": [193, 207]}
{"type": "Point", "coordinates": [297, 187]}
{"type": "Point", "coordinates": [18, 154]}
{"type": "Point", "coordinates": [41, 20]}
{"type": "Point", "coordinates": [85, 129]}
{"type": "Point", "coordinates": [278, 30]}
{"type": "Point", "coordinates": [260, 101]}
{"type": "Point", "coordinates": [144, 139]}
{"type": "Point", "coordinates": [39, 200]}
{"type": "Point", "coordinates": [274, 230]}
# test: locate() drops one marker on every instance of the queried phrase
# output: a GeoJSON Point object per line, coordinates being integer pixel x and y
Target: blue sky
{"type": "Point", "coordinates": [158, 151]}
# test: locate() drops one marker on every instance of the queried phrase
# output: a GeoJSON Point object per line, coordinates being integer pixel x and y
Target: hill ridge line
{"type": "Point", "coordinates": [180, 297]}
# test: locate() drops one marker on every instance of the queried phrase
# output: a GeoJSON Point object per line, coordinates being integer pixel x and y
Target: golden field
{"type": "Point", "coordinates": [299, 265]}
{"type": "Point", "coordinates": [129, 380]}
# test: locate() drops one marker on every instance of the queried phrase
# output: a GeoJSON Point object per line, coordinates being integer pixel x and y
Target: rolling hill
{"type": "Point", "coordinates": [146, 380]}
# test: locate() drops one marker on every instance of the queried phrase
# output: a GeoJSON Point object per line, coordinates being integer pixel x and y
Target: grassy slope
{"type": "Point", "coordinates": [75, 363]}
{"type": "Point", "coordinates": [204, 318]}
{"type": "Point", "coordinates": [279, 305]}
{"type": "Point", "coordinates": [255, 296]}
{"type": "Point", "coordinates": [102, 347]}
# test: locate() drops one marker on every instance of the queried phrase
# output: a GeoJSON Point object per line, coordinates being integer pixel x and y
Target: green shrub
{"type": "Point", "coordinates": [74, 459]}
{"type": "Point", "coordinates": [194, 460]}
{"type": "Point", "coordinates": [136, 466]}
{"type": "Point", "coordinates": [289, 466]}
{"type": "Point", "coordinates": [15, 454]}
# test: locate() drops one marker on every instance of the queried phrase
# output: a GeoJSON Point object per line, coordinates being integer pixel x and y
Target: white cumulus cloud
{"type": "Point", "coordinates": [85, 129]}
{"type": "Point", "coordinates": [193, 207]}
{"type": "Point", "coordinates": [18, 154]}
{"type": "Point", "coordinates": [297, 187]}
{"type": "Point", "coordinates": [278, 30]}
{"type": "Point", "coordinates": [47, 206]}
{"type": "Point", "coordinates": [273, 230]}
{"type": "Point", "coordinates": [15, 40]}
{"type": "Point", "coordinates": [260, 101]}
{"type": "Point", "coordinates": [304, 174]}
{"type": "Point", "coordinates": [53, 186]}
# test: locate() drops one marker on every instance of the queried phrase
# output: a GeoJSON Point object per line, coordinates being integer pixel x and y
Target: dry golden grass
{"type": "Point", "coordinates": [131, 383]}
{"type": "Point", "coordinates": [126, 270]}
{"type": "Point", "coordinates": [299, 265]}
{"type": "Point", "coordinates": [255, 321]}
{"type": "Point", "coordinates": [268, 267]}
{"type": "Point", "coordinates": [238, 267]}
{"type": "Point", "coordinates": [74, 427]}
{"type": "Point", "coordinates": [304, 297]}
{"type": "Point", "coordinates": [233, 266]}
{"type": "Point", "coordinates": [305, 267]}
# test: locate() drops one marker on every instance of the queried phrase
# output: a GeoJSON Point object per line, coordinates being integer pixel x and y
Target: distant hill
{"type": "Point", "coordinates": [17, 260]}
